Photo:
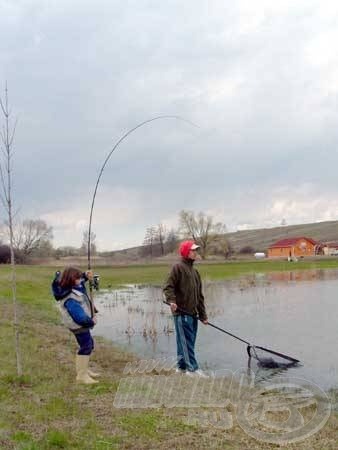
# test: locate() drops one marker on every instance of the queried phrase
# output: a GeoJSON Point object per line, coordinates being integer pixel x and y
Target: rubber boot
{"type": "Point", "coordinates": [91, 373]}
{"type": "Point", "coordinates": [82, 375]}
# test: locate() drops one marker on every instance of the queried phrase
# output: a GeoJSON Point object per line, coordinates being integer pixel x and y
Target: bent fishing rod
{"type": "Point", "coordinates": [104, 165]}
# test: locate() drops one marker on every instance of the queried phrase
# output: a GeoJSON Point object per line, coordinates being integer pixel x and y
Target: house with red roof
{"type": "Point", "coordinates": [294, 247]}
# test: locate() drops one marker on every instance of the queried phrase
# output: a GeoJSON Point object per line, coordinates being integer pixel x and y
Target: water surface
{"type": "Point", "coordinates": [291, 312]}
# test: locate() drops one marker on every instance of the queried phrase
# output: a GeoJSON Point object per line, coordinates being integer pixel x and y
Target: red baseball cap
{"type": "Point", "coordinates": [186, 246]}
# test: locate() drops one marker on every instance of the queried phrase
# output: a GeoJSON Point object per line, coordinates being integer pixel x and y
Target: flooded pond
{"type": "Point", "coordinates": [291, 312]}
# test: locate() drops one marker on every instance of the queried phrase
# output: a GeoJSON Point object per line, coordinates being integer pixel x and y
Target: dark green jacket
{"type": "Point", "coordinates": [184, 287]}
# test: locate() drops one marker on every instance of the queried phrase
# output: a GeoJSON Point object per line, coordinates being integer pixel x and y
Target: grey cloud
{"type": "Point", "coordinates": [80, 75]}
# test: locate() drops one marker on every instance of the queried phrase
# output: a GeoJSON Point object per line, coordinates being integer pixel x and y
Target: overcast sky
{"type": "Point", "coordinates": [259, 78]}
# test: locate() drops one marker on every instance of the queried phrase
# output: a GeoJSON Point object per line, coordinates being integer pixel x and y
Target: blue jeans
{"type": "Point", "coordinates": [186, 331]}
{"type": "Point", "coordinates": [85, 342]}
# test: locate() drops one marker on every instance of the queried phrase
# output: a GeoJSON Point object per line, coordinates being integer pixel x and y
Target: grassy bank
{"type": "Point", "coordinates": [37, 278]}
{"type": "Point", "coordinates": [45, 409]}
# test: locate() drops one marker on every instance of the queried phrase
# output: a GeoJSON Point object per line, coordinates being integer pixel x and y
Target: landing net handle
{"type": "Point", "coordinates": [250, 348]}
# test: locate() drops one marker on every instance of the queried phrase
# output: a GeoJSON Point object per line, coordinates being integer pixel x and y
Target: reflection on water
{"type": "Point", "coordinates": [264, 374]}
{"type": "Point", "coordinates": [291, 312]}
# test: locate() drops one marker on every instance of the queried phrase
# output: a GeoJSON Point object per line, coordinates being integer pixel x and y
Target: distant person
{"type": "Point", "coordinates": [78, 314]}
{"type": "Point", "coordinates": [183, 290]}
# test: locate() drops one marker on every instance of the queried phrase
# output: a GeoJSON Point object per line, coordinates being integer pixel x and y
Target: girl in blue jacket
{"type": "Point", "coordinates": [78, 314]}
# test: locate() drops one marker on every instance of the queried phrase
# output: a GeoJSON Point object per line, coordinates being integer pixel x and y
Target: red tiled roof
{"type": "Point", "coordinates": [288, 242]}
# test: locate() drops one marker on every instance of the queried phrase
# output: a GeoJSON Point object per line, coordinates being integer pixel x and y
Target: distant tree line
{"type": "Point", "coordinates": [158, 241]}
{"type": "Point", "coordinates": [30, 238]}
{"type": "Point", "coordinates": [200, 227]}
{"type": "Point", "coordinates": [69, 250]}
{"type": "Point", "coordinates": [34, 238]}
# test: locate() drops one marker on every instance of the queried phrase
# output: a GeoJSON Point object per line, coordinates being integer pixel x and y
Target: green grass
{"type": "Point", "coordinates": [151, 425]}
{"type": "Point", "coordinates": [34, 281]}
{"type": "Point", "coordinates": [45, 409]}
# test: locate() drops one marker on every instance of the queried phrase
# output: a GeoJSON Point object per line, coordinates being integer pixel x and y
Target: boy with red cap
{"type": "Point", "coordinates": [183, 290]}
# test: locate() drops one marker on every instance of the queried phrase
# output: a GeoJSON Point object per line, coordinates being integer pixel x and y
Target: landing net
{"type": "Point", "coordinates": [269, 358]}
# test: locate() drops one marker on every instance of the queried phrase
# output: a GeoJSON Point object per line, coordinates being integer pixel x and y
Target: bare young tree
{"type": "Point", "coordinates": [201, 228]}
{"type": "Point", "coordinates": [149, 241]}
{"type": "Point", "coordinates": [220, 245]}
{"type": "Point", "coordinates": [225, 247]}
{"type": "Point", "coordinates": [171, 241]}
{"type": "Point", "coordinates": [7, 134]}
{"type": "Point", "coordinates": [160, 236]}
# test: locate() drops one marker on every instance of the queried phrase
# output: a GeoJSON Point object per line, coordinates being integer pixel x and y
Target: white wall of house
{"type": "Point", "coordinates": [330, 251]}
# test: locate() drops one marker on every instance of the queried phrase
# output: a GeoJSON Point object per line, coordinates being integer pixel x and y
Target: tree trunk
{"type": "Point", "coordinates": [7, 140]}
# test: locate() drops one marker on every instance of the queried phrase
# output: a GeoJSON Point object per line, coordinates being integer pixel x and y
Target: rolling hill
{"type": "Point", "coordinates": [261, 239]}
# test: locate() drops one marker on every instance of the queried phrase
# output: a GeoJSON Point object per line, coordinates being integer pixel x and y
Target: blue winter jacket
{"type": "Point", "coordinates": [73, 307]}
